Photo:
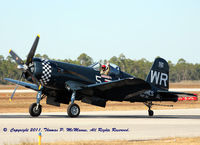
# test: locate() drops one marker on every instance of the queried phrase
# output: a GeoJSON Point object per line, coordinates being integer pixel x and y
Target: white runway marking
{"type": "Point", "coordinates": [17, 91]}
{"type": "Point", "coordinates": [172, 89]}
{"type": "Point", "coordinates": [138, 126]}
{"type": "Point", "coordinates": [185, 89]}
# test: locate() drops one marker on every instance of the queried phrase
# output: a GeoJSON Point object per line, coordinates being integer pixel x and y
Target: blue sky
{"type": "Point", "coordinates": [103, 28]}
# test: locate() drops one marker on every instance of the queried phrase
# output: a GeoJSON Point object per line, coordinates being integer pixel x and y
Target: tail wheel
{"type": "Point", "coordinates": [73, 110]}
{"type": "Point", "coordinates": [34, 110]}
{"type": "Point", "coordinates": [150, 112]}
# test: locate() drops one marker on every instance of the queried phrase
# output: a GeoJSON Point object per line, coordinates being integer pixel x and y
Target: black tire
{"type": "Point", "coordinates": [32, 110]}
{"type": "Point", "coordinates": [150, 112]}
{"type": "Point", "coordinates": [73, 110]}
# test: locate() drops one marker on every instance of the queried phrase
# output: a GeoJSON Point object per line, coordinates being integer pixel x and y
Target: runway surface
{"type": "Point", "coordinates": [130, 125]}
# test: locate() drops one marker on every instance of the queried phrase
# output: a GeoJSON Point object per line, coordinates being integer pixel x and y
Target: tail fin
{"type": "Point", "coordinates": [159, 74]}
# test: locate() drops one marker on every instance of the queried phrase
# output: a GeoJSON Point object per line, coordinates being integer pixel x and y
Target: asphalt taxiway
{"type": "Point", "coordinates": [99, 125]}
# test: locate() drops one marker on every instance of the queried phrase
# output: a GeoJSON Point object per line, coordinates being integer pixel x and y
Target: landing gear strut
{"type": "Point", "coordinates": [149, 105]}
{"type": "Point", "coordinates": [35, 109]}
{"type": "Point", "coordinates": [73, 109]}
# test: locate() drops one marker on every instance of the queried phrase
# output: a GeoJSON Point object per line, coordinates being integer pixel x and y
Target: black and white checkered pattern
{"type": "Point", "coordinates": [46, 72]}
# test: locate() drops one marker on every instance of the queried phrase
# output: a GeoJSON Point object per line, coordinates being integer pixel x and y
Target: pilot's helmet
{"type": "Point", "coordinates": [103, 66]}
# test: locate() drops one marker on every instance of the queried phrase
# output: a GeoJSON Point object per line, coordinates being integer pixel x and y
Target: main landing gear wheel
{"type": "Point", "coordinates": [34, 110]}
{"type": "Point", "coordinates": [73, 110]}
{"type": "Point", "coordinates": [150, 112]}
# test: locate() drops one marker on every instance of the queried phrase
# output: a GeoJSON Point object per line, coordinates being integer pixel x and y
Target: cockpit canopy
{"type": "Point", "coordinates": [114, 69]}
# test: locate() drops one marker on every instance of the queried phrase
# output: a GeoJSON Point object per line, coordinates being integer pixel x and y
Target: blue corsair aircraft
{"type": "Point", "coordinates": [61, 82]}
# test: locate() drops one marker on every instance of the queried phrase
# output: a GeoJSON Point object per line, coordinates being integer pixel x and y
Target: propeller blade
{"type": "Point", "coordinates": [11, 97]}
{"type": "Point", "coordinates": [32, 51]}
{"type": "Point", "coordinates": [18, 60]}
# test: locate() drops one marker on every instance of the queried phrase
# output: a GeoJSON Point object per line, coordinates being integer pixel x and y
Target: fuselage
{"type": "Point", "coordinates": [54, 74]}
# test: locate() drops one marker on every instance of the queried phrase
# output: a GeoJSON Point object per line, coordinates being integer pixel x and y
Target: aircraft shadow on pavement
{"type": "Point", "coordinates": [106, 116]}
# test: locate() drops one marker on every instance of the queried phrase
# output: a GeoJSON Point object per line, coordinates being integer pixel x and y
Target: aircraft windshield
{"type": "Point", "coordinates": [114, 69]}
{"type": "Point", "coordinates": [96, 66]}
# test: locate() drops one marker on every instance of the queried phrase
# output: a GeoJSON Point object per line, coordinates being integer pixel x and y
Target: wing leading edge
{"type": "Point", "coordinates": [27, 85]}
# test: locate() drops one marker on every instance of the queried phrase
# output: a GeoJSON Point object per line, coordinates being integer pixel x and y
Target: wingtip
{"type": "Point", "coordinates": [39, 88]}
{"type": "Point", "coordinates": [38, 35]}
{"type": "Point", "coordinates": [9, 50]}
{"type": "Point", "coordinates": [6, 79]}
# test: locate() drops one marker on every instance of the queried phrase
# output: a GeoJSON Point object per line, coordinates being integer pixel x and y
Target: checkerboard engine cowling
{"type": "Point", "coordinates": [46, 72]}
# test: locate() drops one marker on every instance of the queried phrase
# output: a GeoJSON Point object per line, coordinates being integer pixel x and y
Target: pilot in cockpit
{"type": "Point", "coordinates": [105, 70]}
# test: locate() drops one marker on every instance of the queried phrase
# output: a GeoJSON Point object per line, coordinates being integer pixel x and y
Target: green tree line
{"type": "Point", "coordinates": [139, 68]}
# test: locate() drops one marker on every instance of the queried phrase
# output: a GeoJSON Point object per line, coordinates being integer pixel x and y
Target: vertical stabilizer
{"type": "Point", "coordinates": [159, 74]}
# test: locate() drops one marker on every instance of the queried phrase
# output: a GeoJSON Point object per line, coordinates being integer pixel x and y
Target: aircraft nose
{"type": "Point", "coordinates": [43, 71]}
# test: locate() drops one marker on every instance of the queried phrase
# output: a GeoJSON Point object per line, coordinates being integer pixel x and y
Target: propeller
{"type": "Point", "coordinates": [11, 97]}
{"type": "Point", "coordinates": [25, 66]}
